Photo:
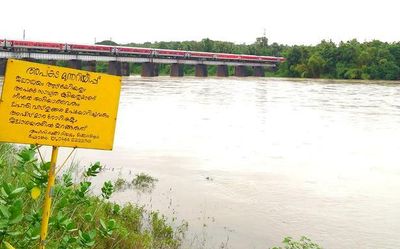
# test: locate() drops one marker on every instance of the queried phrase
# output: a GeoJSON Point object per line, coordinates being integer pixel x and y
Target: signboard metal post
{"type": "Point", "coordinates": [48, 197]}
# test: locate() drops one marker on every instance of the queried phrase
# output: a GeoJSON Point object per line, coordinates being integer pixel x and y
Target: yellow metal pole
{"type": "Point", "coordinates": [47, 199]}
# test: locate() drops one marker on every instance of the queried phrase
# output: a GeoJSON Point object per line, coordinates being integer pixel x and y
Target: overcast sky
{"type": "Point", "coordinates": [285, 21]}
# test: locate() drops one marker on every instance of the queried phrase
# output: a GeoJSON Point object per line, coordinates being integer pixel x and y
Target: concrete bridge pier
{"type": "Point", "coordinates": [114, 68]}
{"type": "Point", "coordinates": [240, 71]}
{"type": "Point", "coordinates": [201, 70]}
{"type": "Point", "coordinates": [176, 70]}
{"type": "Point", "coordinates": [75, 64]}
{"type": "Point", "coordinates": [149, 69]}
{"type": "Point", "coordinates": [125, 69]}
{"type": "Point", "coordinates": [222, 71]}
{"type": "Point", "coordinates": [90, 66]}
{"type": "Point", "coordinates": [3, 62]}
{"type": "Point", "coordinates": [259, 72]}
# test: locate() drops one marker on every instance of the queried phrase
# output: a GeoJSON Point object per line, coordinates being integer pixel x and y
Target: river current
{"type": "Point", "coordinates": [249, 161]}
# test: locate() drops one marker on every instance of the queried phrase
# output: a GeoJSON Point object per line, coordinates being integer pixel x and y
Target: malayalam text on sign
{"type": "Point", "coordinates": [57, 106]}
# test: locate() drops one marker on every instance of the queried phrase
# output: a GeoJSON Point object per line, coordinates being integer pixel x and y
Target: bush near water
{"type": "Point", "coordinates": [78, 219]}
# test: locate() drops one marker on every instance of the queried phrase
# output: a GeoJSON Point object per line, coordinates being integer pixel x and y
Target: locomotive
{"type": "Point", "coordinates": [32, 46]}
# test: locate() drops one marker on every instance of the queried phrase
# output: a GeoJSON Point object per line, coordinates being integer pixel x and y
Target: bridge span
{"type": "Point", "coordinates": [119, 58]}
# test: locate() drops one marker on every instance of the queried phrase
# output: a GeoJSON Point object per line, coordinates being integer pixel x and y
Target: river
{"type": "Point", "coordinates": [249, 161]}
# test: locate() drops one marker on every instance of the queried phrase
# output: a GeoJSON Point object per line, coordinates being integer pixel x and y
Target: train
{"type": "Point", "coordinates": [34, 46]}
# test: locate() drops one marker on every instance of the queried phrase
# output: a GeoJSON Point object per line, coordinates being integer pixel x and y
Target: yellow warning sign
{"type": "Point", "coordinates": [49, 105]}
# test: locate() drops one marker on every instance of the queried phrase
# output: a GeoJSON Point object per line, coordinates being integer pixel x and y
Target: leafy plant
{"type": "Point", "coordinates": [10, 215]}
{"type": "Point", "coordinates": [144, 182]}
{"type": "Point", "coordinates": [93, 170]}
{"type": "Point", "coordinates": [26, 156]}
{"type": "Point", "coordinates": [107, 190]}
{"type": "Point", "coordinates": [107, 228]}
{"type": "Point", "coordinates": [82, 190]}
{"type": "Point", "coordinates": [116, 209]}
{"type": "Point", "coordinates": [86, 239]}
{"type": "Point", "coordinates": [40, 173]}
{"type": "Point", "coordinates": [303, 243]}
{"type": "Point", "coordinates": [67, 179]}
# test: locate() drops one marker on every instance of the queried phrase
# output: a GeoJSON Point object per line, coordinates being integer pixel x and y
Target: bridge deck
{"type": "Point", "coordinates": [122, 58]}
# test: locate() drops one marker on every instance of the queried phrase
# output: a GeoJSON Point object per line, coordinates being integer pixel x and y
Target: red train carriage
{"type": "Point", "coordinates": [91, 48]}
{"type": "Point", "coordinates": [201, 55]}
{"type": "Point", "coordinates": [35, 45]}
{"type": "Point", "coordinates": [250, 57]}
{"type": "Point", "coordinates": [133, 50]}
{"type": "Point", "coordinates": [170, 53]}
{"type": "Point", "coordinates": [227, 56]}
{"type": "Point", "coordinates": [5, 43]}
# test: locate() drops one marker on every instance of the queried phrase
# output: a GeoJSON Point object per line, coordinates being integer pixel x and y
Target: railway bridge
{"type": "Point", "coordinates": [119, 58]}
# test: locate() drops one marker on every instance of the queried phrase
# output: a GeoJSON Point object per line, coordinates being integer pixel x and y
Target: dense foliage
{"type": "Point", "coordinates": [373, 60]}
{"type": "Point", "coordinates": [349, 60]}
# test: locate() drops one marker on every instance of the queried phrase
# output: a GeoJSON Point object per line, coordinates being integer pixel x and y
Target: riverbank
{"type": "Point", "coordinates": [79, 218]}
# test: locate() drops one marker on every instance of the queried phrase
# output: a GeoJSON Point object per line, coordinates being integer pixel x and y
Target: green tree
{"type": "Point", "coordinates": [207, 45]}
{"type": "Point", "coordinates": [315, 65]}
{"type": "Point", "coordinates": [328, 52]}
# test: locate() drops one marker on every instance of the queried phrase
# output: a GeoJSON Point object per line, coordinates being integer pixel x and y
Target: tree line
{"type": "Point", "coordinates": [374, 60]}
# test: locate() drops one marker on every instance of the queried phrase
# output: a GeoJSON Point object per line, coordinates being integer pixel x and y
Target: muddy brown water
{"type": "Point", "coordinates": [249, 161]}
